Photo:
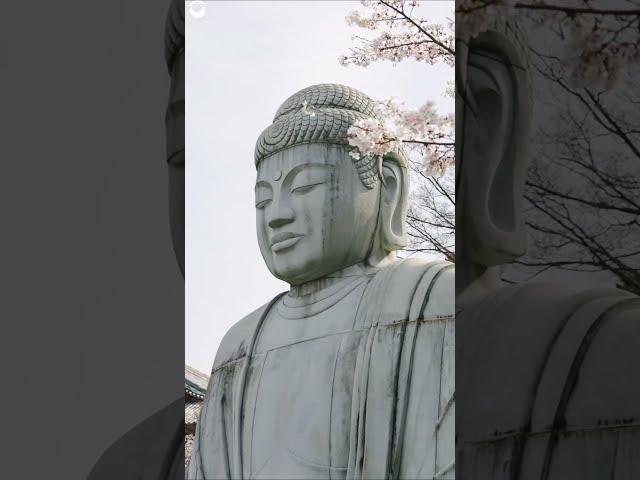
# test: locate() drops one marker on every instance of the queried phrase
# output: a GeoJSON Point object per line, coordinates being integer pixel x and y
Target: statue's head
{"type": "Point", "coordinates": [174, 121]}
{"type": "Point", "coordinates": [493, 110]}
{"type": "Point", "coordinates": [317, 209]}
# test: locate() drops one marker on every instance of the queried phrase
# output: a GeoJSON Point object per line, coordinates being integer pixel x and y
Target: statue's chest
{"type": "Point", "coordinates": [297, 405]}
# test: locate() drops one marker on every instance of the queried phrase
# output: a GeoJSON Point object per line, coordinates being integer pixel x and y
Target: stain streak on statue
{"type": "Point", "coordinates": [320, 382]}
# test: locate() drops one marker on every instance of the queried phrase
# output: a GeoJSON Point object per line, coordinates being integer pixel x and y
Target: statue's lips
{"type": "Point", "coordinates": [283, 240]}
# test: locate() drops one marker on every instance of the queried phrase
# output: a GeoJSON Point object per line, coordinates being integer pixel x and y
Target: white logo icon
{"type": "Point", "coordinates": [197, 9]}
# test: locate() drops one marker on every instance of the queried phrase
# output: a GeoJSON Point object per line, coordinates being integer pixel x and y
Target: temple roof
{"type": "Point", "coordinates": [195, 382]}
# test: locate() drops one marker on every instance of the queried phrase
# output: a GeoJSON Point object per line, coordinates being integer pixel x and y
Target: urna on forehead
{"type": "Point", "coordinates": [320, 114]}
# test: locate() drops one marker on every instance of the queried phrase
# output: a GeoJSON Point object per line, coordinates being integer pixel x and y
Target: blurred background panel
{"type": "Point", "coordinates": [92, 298]}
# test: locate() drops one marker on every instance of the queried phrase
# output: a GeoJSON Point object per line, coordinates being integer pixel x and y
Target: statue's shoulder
{"type": "Point", "coordinates": [435, 294]}
{"type": "Point", "coordinates": [411, 287]}
{"type": "Point", "coordinates": [148, 447]}
{"type": "Point", "coordinates": [607, 391]}
{"type": "Point", "coordinates": [237, 340]}
{"type": "Point", "coordinates": [547, 339]}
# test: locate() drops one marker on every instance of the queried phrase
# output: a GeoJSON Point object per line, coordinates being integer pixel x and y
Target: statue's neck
{"type": "Point", "coordinates": [332, 282]}
{"type": "Point", "coordinates": [307, 299]}
{"type": "Point", "coordinates": [344, 276]}
{"type": "Point", "coordinates": [478, 287]}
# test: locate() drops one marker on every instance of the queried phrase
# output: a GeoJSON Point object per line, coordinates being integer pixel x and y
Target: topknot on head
{"type": "Point", "coordinates": [328, 96]}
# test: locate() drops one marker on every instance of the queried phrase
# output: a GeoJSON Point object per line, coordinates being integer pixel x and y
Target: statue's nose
{"type": "Point", "coordinates": [281, 217]}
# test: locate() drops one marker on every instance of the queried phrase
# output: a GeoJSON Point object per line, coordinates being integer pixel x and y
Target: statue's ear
{"type": "Point", "coordinates": [495, 109]}
{"type": "Point", "coordinates": [393, 204]}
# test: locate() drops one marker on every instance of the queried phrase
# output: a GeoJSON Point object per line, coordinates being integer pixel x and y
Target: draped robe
{"type": "Point", "coordinates": [392, 418]}
{"type": "Point", "coordinates": [548, 384]}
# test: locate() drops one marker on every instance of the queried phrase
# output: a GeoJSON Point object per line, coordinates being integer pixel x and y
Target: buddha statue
{"type": "Point", "coordinates": [154, 448]}
{"type": "Point", "coordinates": [350, 373]}
{"type": "Point", "coordinates": [546, 373]}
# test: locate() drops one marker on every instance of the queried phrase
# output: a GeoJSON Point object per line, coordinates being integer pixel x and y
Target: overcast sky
{"type": "Point", "coordinates": [243, 60]}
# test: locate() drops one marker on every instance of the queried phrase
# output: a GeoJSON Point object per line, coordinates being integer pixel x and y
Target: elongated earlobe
{"type": "Point", "coordinates": [491, 172]}
{"type": "Point", "coordinates": [393, 205]}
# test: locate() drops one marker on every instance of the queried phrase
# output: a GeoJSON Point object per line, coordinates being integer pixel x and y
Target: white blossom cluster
{"type": "Point", "coordinates": [402, 35]}
{"type": "Point", "coordinates": [426, 136]}
{"type": "Point", "coordinates": [477, 16]}
{"type": "Point", "coordinates": [451, 89]}
{"type": "Point", "coordinates": [601, 48]}
{"type": "Point", "coordinates": [600, 42]}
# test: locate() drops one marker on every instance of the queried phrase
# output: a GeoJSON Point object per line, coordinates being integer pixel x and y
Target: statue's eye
{"type": "Point", "coordinates": [305, 188]}
{"type": "Point", "coordinates": [264, 194]}
{"type": "Point", "coordinates": [263, 203]}
{"type": "Point", "coordinates": [309, 178]}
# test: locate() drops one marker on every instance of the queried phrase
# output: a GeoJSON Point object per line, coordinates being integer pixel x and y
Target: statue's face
{"type": "Point", "coordinates": [175, 151]}
{"type": "Point", "coordinates": [313, 214]}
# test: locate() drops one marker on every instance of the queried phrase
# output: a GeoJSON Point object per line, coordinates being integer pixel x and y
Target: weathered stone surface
{"type": "Point", "coordinates": [349, 374]}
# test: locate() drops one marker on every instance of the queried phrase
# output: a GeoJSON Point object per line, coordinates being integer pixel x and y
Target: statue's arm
{"type": "Point", "coordinates": [210, 456]}
{"type": "Point", "coordinates": [437, 292]}
{"type": "Point", "coordinates": [428, 449]}
{"type": "Point", "coordinates": [607, 391]}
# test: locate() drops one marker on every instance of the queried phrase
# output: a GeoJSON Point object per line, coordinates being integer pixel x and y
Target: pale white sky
{"type": "Point", "coordinates": [243, 59]}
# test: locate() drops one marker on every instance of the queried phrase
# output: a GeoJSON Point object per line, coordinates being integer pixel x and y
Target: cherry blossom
{"type": "Point", "coordinates": [402, 35]}
{"type": "Point", "coordinates": [600, 42]}
{"type": "Point", "coordinates": [424, 134]}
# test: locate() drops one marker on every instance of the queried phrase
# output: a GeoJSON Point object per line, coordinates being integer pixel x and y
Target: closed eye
{"type": "Point", "coordinates": [263, 203]}
{"type": "Point", "coordinates": [305, 188]}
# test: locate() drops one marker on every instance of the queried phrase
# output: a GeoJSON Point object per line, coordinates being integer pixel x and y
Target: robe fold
{"type": "Point", "coordinates": [402, 409]}
{"type": "Point", "coordinates": [548, 385]}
